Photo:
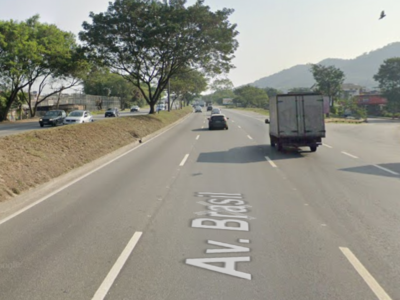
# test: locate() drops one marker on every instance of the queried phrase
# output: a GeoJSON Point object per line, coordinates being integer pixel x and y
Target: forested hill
{"type": "Point", "coordinates": [359, 70]}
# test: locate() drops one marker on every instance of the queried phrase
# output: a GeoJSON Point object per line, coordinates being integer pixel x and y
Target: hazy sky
{"type": "Point", "coordinates": [274, 34]}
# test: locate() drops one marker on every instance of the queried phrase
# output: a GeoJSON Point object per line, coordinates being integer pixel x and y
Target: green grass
{"type": "Point", "coordinates": [261, 111]}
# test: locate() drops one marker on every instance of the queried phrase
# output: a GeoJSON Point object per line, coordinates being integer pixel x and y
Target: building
{"type": "Point", "coordinates": [373, 102]}
{"type": "Point", "coordinates": [350, 90]}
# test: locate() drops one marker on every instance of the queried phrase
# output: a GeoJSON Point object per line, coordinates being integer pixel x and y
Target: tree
{"type": "Point", "coordinates": [148, 42]}
{"type": "Point", "coordinates": [251, 96]}
{"type": "Point", "coordinates": [187, 85]}
{"type": "Point", "coordinates": [300, 90]}
{"type": "Point", "coordinates": [329, 81]}
{"type": "Point", "coordinates": [222, 84]}
{"type": "Point", "coordinates": [272, 92]}
{"type": "Point", "coordinates": [104, 83]}
{"type": "Point", "coordinates": [32, 52]}
{"type": "Point", "coordinates": [388, 77]}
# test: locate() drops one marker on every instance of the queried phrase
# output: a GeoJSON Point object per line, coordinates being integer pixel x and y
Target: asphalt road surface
{"type": "Point", "coordinates": [20, 127]}
{"type": "Point", "coordinates": [199, 214]}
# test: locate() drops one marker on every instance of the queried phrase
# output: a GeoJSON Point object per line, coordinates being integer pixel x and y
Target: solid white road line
{"type": "Point", "coordinates": [387, 170]}
{"type": "Point", "coordinates": [197, 137]}
{"type": "Point", "coordinates": [105, 286]}
{"type": "Point", "coordinates": [348, 154]}
{"type": "Point", "coordinates": [184, 160]}
{"type": "Point", "coordinates": [363, 272]}
{"type": "Point", "coordinates": [249, 137]}
{"type": "Point", "coordinates": [239, 127]}
{"type": "Point", "coordinates": [327, 146]}
{"type": "Point", "coordinates": [270, 162]}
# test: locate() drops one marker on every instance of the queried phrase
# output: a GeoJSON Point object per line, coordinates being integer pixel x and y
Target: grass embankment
{"type": "Point", "coordinates": [344, 121]}
{"type": "Point", "coordinates": [35, 157]}
{"type": "Point", "coordinates": [256, 110]}
{"type": "Point", "coordinates": [327, 120]}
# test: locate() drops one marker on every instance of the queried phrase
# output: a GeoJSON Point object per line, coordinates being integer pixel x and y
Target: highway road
{"type": "Point", "coordinates": [199, 214]}
{"type": "Point", "coordinates": [20, 127]}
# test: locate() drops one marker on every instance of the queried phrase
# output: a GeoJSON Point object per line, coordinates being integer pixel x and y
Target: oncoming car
{"type": "Point", "coordinates": [112, 112]}
{"type": "Point", "coordinates": [219, 121]}
{"type": "Point", "coordinates": [78, 116]}
{"type": "Point", "coordinates": [135, 108]}
{"type": "Point", "coordinates": [53, 118]}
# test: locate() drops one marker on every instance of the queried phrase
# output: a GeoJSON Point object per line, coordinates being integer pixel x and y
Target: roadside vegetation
{"type": "Point", "coordinates": [35, 157]}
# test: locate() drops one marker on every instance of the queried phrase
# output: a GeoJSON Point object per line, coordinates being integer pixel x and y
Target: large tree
{"type": "Point", "coordinates": [187, 85]}
{"type": "Point", "coordinates": [388, 77]}
{"type": "Point", "coordinates": [34, 53]}
{"type": "Point", "coordinates": [250, 96]}
{"type": "Point", "coordinates": [149, 41]}
{"type": "Point", "coordinates": [272, 92]}
{"type": "Point", "coordinates": [104, 83]}
{"type": "Point", "coordinates": [329, 80]}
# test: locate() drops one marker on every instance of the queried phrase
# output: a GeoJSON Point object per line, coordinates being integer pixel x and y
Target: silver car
{"type": "Point", "coordinates": [78, 116]}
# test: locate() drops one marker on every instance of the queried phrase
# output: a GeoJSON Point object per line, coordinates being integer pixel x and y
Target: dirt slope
{"type": "Point", "coordinates": [32, 158]}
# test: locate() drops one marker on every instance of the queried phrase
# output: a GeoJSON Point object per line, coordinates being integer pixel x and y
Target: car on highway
{"type": "Point", "coordinates": [209, 108]}
{"type": "Point", "coordinates": [135, 108]}
{"type": "Point", "coordinates": [78, 117]}
{"type": "Point", "coordinates": [111, 112]}
{"type": "Point", "coordinates": [198, 109]}
{"type": "Point", "coordinates": [53, 118]}
{"type": "Point", "coordinates": [218, 121]}
{"type": "Point", "coordinates": [216, 111]}
{"type": "Point", "coordinates": [161, 106]}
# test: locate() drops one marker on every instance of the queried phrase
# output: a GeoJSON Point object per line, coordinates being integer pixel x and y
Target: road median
{"type": "Point", "coordinates": [36, 157]}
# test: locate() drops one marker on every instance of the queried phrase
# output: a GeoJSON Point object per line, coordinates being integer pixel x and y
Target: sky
{"type": "Point", "coordinates": [274, 34]}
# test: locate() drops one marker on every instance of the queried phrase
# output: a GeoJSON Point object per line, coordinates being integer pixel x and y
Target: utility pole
{"type": "Point", "coordinates": [169, 98]}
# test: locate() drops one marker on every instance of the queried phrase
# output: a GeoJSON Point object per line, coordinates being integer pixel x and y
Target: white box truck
{"type": "Point", "coordinates": [296, 120]}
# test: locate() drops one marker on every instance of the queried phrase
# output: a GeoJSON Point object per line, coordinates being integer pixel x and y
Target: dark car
{"type": "Point", "coordinates": [218, 122]}
{"type": "Point", "coordinates": [111, 112]}
{"type": "Point", "coordinates": [209, 108]}
{"type": "Point", "coordinates": [53, 118]}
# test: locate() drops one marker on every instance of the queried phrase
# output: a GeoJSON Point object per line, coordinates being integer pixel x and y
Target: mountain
{"type": "Point", "coordinates": [359, 70]}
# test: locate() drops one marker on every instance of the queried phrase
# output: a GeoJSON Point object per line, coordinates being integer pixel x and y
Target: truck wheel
{"type": "Point", "coordinates": [313, 148]}
{"type": "Point", "coordinates": [272, 141]}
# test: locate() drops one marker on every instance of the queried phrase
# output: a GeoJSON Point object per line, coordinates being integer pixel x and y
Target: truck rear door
{"type": "Point", "coordinates": [287, 112]}
{"type": "Point", "coordinates": [313, 114]}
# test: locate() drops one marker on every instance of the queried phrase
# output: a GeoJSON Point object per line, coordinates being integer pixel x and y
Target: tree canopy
{"type": "Point", "coordinates": [388, 77]}
{"type": "Point", "coordinates": [329, 81]}
{"type": "Point", "coordinates": [187, 85]}
{"type": "Point", "coordinates": [102, 82]}
{"type": "Point", "coordinates": [149, 41]}
{"type": "Point", "coordinates": [33, 52]}
{"type": "Point", "coordinates": [250, 96]}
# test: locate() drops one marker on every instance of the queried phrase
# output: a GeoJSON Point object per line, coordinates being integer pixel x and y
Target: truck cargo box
{"type": "Point", "coordinates": [297, 120]}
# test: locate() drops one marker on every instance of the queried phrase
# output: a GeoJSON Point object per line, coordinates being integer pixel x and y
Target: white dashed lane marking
{"type": "Point", "coordinates": [363, 272]}
{"type": "Point", "coordinates": [184, 160]}
{"type": "Point", "coordinates": [270, 162]}
{"type": "Point", "coordinates": [387, 170]}
{"type": "Point", "coordinates": [105, 286]}
{"type": "Point", "coordinates": [348, 154]}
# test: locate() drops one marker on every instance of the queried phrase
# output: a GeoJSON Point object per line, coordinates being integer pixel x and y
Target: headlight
{"type": "Point", "coordinates": [50, 120]}
{"type": "Point", "coordinates": [40, 120]}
